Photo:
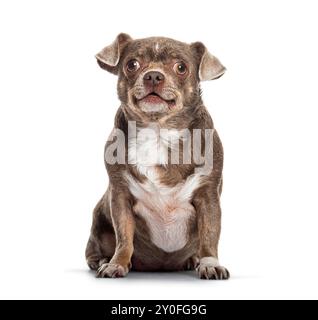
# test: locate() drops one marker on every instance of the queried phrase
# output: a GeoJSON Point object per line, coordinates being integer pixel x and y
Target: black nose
{"type": "Point", "coordinates": [153, 77]}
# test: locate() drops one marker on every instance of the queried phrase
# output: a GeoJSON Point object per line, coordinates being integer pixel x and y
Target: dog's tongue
{"type": "Point", "coordinates": [152, 98]}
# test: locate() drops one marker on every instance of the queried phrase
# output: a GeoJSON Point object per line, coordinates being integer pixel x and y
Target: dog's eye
{"type": "Point", "coordinates": [180, 68]}
{"type": "Point", "coordinates": [132, 65]}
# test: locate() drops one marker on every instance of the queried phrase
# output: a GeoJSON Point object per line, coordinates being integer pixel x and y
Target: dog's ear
{"type": "Point", "coordinates": [109, 57]}
{"type": "Point", "coordinates": [209, 67]}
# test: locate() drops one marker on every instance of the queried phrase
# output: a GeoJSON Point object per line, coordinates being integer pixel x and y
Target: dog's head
{"type": "Point", "coordinates": [158, 76]}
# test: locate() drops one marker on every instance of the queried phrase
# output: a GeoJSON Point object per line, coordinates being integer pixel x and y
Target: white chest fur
{"type": "Point", "coordinates": [166, 210]}
{"type": "Point", "coordinates": [150, 148]}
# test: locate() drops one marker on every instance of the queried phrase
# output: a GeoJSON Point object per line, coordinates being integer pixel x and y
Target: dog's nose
{"type": "Point", "coordinates": [153, 77]}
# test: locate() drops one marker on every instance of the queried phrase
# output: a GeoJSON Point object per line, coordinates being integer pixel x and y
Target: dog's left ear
{"type": "Point", "coordinates": [109, 57]}
{"type": "Point", "coordinates": [209, 67]}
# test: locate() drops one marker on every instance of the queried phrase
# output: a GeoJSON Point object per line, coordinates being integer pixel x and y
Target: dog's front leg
{"type": "Point", "coordinates": [124, 226]}
{"type": "Point", "coordinates": [209, 226]}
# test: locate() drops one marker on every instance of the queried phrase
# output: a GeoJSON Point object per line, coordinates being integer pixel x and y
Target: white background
{"type": "Point", "coordinates": [57, 109]}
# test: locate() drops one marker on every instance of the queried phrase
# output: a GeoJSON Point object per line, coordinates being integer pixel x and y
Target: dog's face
{"type": "Point", "coordinates": [158, 76]}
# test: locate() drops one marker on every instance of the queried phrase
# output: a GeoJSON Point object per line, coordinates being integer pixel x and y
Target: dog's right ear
{"type": "Point", "coordinates": [210, 67]}
{"type": "Point", "coordinates": [109, 57]}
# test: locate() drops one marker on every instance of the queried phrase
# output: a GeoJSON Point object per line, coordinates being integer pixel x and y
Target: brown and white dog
{"type": "Point", "coordinates": [161, 210]}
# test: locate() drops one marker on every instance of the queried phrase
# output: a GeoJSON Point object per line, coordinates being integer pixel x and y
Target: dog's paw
{"type": "Point", "coordinates": [94, 264]}
{"type": "Point", "coordinates": [192, 263]}
{"type": "Point", "coordinates": [210, 269]}
{"type": "Point", "coordinates": [111, 270]}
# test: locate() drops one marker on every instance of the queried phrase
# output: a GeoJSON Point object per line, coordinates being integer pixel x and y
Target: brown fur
{"type": "Point", "coordinates": [119, 238]}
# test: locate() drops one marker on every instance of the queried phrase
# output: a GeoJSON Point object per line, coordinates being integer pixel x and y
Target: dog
{"type": "Point", "coordinates": [161, 210]}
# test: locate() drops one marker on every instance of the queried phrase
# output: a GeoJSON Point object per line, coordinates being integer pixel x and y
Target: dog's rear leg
{"type": "Point", "coordinates": [191, 263]}
{"type": "Point", "coordinates": [101, 243]}
{"type": "Point", "coordinates": [93, 254]}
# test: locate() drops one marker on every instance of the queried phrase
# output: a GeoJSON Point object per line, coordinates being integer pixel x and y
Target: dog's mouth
{"type": "Point", "coordinates": [154, 98]}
